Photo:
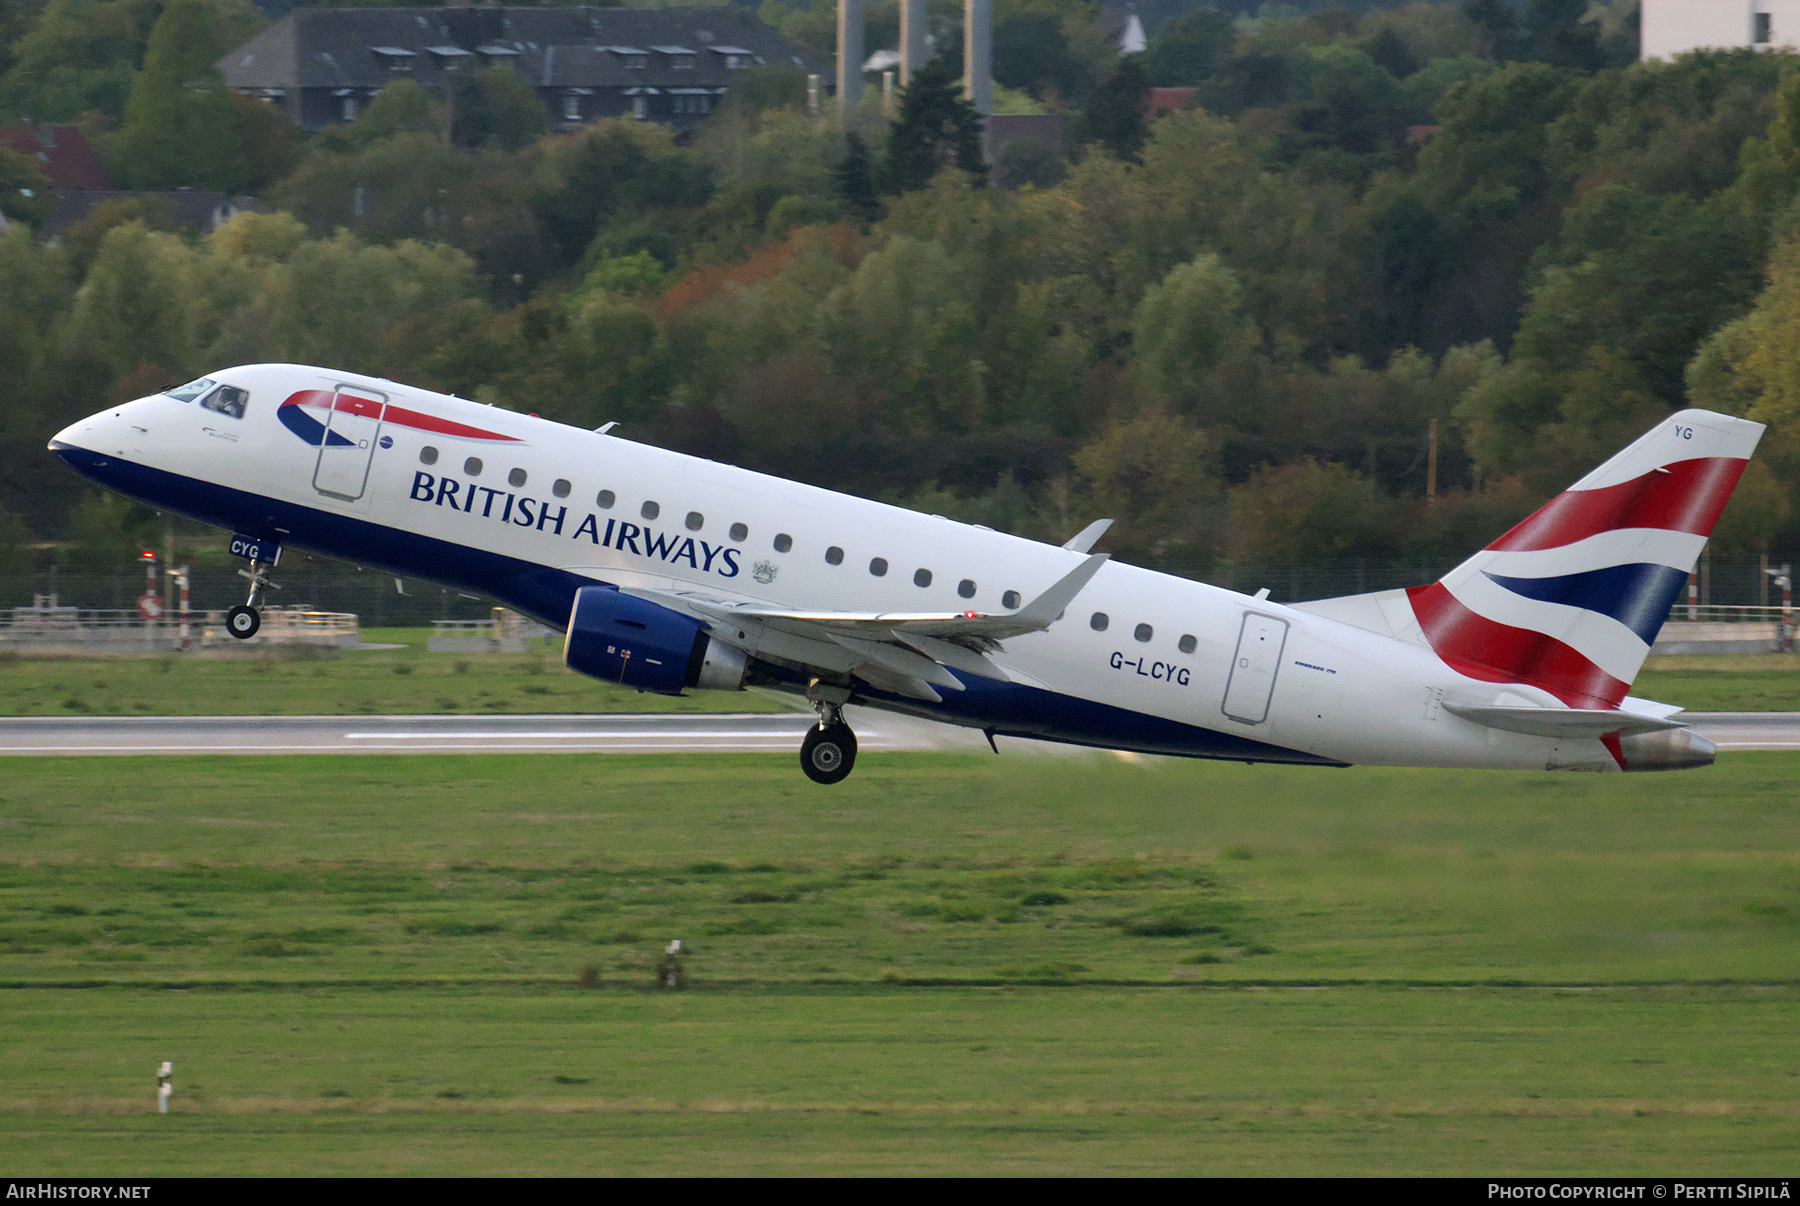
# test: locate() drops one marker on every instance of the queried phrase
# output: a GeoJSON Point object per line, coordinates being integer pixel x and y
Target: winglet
{"type": "Point", "coordinates": [1089, 536]}
{"type": "Point", "coordinates": [1044, 610]}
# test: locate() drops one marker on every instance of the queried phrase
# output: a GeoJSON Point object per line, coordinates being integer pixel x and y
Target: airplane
{"type": "Point", "coordinates": [668, 573]}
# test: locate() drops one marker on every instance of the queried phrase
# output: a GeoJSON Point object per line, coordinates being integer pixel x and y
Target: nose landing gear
{"type": "Point", "coordinates": [243, 621]}
{"type": "Point", "coordinates": [828, 754]}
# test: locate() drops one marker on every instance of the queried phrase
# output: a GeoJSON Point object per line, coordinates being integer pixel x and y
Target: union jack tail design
{"type": "Point", "coordinates": [1571, 600]}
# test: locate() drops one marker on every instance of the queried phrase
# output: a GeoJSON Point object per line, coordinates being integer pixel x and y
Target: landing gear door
{"type": "Point", "coordinates": [352, 430]}
{"type": "Point", "coordinates": [1253, 669]}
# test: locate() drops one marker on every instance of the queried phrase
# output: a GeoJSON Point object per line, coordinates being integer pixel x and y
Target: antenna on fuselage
{"type": "Point", "coordinates": [606, 427]}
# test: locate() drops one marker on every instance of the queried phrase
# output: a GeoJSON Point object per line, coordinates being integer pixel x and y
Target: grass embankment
{"type": "Point", "coordinates": [298, 682]}
{"type": "Point", "coordinates": [1740, 682]}
{"type": "Point", "coordinates": [411, 680]}
{"type": "Point", "coordinates": [382, 960]}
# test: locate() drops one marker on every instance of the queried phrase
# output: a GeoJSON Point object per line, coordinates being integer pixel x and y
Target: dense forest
{"type": "Point", "coordinates": [1230, 326]}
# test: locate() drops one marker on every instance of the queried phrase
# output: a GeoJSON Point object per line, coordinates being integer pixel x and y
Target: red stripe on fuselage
{"type": "Point", "coordinates": [1685, 496]}
{"type": "Point", "coordinates": [1484, 649]}
{"type": "Point", "coordinates": [349, 403]}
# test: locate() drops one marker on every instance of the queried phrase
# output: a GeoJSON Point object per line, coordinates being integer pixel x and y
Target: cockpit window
{"type": "Point", "coordinates": [191, 390]}
{"type": "Point", "coordinates": [227, 400]}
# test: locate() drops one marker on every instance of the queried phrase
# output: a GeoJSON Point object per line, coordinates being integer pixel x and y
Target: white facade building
{"type": "Point", "coordinates": [1672, 27]}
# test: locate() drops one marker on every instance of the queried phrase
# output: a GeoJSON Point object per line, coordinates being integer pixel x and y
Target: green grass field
{"type": "Point", "coordinates": [946, 964]}
{"type": "Point", "coordinates": [362, 682]}
{"type": "Point", "coordinates": [1741, 682]}
{"type": "Point", "coordinates": [411, 680]}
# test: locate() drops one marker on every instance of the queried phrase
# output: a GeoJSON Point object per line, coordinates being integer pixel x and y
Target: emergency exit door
{"type": "Point", "coordinates": [352, 431]}
{"type": "Point", "coordinates": [1252, 680]}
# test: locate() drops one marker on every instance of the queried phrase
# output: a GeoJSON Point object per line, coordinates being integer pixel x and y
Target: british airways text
{"type": "Point", "coordinates": [538, 515]}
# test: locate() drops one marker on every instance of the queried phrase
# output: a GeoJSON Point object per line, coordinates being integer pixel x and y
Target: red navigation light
{"type": "Point", "coordinates": [147, 555]}
{"type": "Point", "coordinates": [968, 615]}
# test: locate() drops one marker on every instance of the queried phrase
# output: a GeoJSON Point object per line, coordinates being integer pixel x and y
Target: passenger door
{"type": "Point", "coordinates": [1253, 669]}
{"type": "Point", "coordinates": [352, 432]}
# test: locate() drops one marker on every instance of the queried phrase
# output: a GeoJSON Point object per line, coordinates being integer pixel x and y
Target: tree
{"type": "Point", "coordinates": [180, 127]}
{"type": "Point", "coordinates": [855, 182]}
{"type": "Point", "coordinates": [494, 107]}
{"type": "Point", "coordinates": [24, 190]}
{"type": "Point", "coordinates": [1561, 38]}
{"type": "Point", "coordinates": [936, 128]}
{"type": "Point", "coordinates": [1390, 50]}
{"type": "Point", "coordinates": [1499, 23]}
{"type": "Point", "coordinates": [1188, 324]}
{"type": "Point", "coordinates": [1114, 116]}
{"type": "Point", "coordinates": [1032, 54]}
{"type": "Point", "coordinates": [1154, 476]}
{"type": "Point", "coordinates": [1189, 50]}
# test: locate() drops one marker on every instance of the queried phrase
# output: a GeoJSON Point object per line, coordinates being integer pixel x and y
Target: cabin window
{"type": "Point", "coordinates": [1143, 632]}
{"type": "Point", "coordinates": [695, 521]}
{"type": "Point", "coordinates": [191, 390]}
{"type": "Point", "coordinates": [739, 532]}
{"type": "Point", "coordinates": [1010, 600]}
{"type": "Point", "coordinates": [605, 499]}
{"type": "Point", "coordinates": [561, 488]}
{"type": "Point", "coordinates": [783, 543]}
{"type": "Point", "coordinates": [516, 478]}
{"type": "Point", "coordinates": [1099, 621]}
{"type": "Point", "coordinates": [966, 588]}
{"type": "Point", "coordinates": [428, 455]}
{"type": "Point", "coordinates": [227, 400]}
{"type": "Point", "coordinates": [834, 555]}
{"type": "Point", "coordinates": [1187, 644]}
{"type": "Point", "coordinates": [878, 567]}
{"type": "Point", "coordinates": [921, 577]}
{"type": "Point", "coordinates": [472, 466]}
{"type": "Point", "coordinates": [650, 510]}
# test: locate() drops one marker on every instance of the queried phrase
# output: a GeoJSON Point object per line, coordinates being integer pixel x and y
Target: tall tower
{"type": "Point", "coordinates": [912, 39]}
{"type": "Point", "coordinates": [850, 54]}
{"type": "Point", "coordinates": [978, 54]}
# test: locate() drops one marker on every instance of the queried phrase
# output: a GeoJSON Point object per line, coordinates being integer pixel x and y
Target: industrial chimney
{"type": "Point", "coordinates": [850, 54]}
{"type": "Point", "coordinates": [978, 54]}
{"type": "Point", "coordinates": [912, 39]}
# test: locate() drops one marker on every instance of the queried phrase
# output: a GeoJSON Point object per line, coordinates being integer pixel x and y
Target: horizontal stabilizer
{"type": "Point", "coordinates": [1560, 722]}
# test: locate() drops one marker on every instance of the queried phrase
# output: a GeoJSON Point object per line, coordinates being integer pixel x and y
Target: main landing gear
{"type": "Point", "coordinates": [829, 752]}
{"type": "Point", "coordinates": [243, 621]}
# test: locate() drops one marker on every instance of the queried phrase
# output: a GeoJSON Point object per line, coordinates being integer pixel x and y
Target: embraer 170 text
{"type": "Point", "coordinates": [669, 572]}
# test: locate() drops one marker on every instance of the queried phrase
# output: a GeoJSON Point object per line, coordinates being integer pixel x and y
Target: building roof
{"type": "Point", "coordinates": [364, 48]}
{"type": "Point", "coordinates": [187, 207]}
{"type": "Point", "coordinates": [60, 152]}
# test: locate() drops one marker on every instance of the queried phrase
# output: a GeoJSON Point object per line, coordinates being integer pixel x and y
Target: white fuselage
{"type": "Point", "coordinates": [1335, 693]}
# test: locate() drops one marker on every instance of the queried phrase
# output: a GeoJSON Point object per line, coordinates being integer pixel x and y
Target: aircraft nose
{"type": "Point", "coordinates": [81, 445]}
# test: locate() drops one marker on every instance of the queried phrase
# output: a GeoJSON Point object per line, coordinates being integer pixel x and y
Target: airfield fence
{"type": "Point", "coordinates": [373, 597]}
{"type": "Point", "coordinates": [306, 586]}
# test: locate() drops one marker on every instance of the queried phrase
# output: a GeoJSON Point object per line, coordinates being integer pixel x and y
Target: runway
{"type": "Point", "coordinates": [688, 733]}
{"type": "Point", "coordinates": [610, 734]}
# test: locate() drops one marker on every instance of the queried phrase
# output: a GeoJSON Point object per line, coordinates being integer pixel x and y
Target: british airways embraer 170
{"type": "Point", "coordinates": [668, 572]}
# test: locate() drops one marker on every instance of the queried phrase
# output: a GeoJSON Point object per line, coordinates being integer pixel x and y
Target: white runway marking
{"type": "Point", "coordinates": [638, 733]}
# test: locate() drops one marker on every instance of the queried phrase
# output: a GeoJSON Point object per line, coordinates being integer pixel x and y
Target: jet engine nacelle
{"type": "Point", "coordinates": [623, 639]}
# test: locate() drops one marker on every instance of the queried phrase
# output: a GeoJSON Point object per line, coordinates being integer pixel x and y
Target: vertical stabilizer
{"type": "Point", "coordinates": [1572, 598]}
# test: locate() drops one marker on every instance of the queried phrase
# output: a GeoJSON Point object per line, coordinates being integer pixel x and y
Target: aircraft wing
{"type": "Point", "coordinates": [906, 652]}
